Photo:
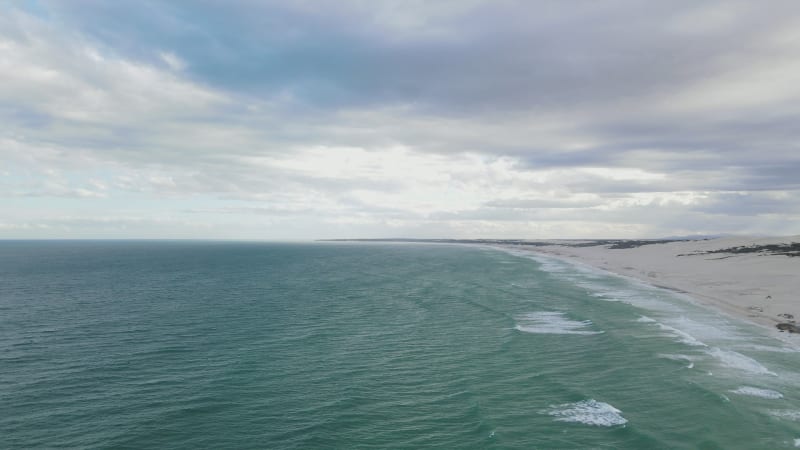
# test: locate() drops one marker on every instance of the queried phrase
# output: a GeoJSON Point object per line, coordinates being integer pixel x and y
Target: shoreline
{"type": "Point", "coordinates": [760, 288]}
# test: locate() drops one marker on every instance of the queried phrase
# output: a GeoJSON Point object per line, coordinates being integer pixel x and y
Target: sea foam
{"type": "Point", "coordinates": [786, 414]}
{"type": "Point", "coordinates": [728, 358]}
{"type": "Point", "coordinates": [679, 357]}
{"type": "Point", "coordinates": [552, 322]}
{"type": "Point", "coordinates": [739, 361]}
{"type": "Point", "coordinates": [588, 412]}
{"type": "Point", "coordinates": [682, 336]}
{"type": "Point", "coordinates": [758, 392]}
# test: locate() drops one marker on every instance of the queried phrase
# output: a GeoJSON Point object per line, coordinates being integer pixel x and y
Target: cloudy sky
{"type": "Point", "coordinates": [364, 118]}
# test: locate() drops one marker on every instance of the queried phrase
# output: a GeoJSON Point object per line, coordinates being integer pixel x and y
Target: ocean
{"type": "Point", "coordinates": [172, 344]}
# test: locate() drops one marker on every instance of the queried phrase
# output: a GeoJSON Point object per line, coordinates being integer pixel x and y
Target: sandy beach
{"type": "Point", "coordinates": [745, 277]}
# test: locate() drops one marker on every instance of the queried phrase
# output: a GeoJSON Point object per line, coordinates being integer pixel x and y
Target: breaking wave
{"type": "Point", "coordinates": [552, 322]}
{"type": "Point", "coordinates": [588, 412]}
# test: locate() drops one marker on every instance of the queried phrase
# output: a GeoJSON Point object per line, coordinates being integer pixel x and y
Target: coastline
{"type": "Point", "coordinates": [759, 287]}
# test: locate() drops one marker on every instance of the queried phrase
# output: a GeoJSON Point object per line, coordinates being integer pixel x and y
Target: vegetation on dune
{"type": "Point", "coordinates": [792, 249]}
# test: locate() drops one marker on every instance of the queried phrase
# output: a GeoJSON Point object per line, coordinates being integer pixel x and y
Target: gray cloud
{"type": "Point", "coordinates": [516, 55]}
{"type": "Point", "coordinates": [259, 102]}
{"type": "Point", "coordinates": [539, 204]}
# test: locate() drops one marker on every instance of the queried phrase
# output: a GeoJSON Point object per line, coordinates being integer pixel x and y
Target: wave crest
{"type": "Point", "coordinates": [588, 412]}
{"type": "Point", "coordinates": [552, 322]}
{"type": "Point", "coordinates": [758, 392]}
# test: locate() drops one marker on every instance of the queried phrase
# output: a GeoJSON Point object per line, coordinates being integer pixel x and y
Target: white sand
{"type": "Point", "coordinates": [751, 286]}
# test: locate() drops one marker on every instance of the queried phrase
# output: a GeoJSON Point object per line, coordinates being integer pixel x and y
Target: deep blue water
{"type": "Point", "coordinates": [331, 345]}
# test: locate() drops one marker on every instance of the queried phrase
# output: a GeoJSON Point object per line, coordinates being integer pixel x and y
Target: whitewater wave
{"type": "Point", "coordinates": [588, 412]}
{"type": "Point", "coordinates": [628, 296]}
{"type": "Point", "coordinates": [758, 392]}
{"type": "Point", "coordinates": [679, 357]}
{"type": "Point", "coordinates": [728, 358]}
{"type": "Point", "coordinates": [525, 284]}
{"type": "Point", "coordinates": [711, 328]}
{"type": "Point", "coordinates": [552, 322]}
{"type": "Point", "coordinates": [710, 333]}
{"type": "Point", "coordinates": [547, 264]}
{"type": "Point", "coordinates": [767, 348]}
{"type": "Point", "coordinates": [789, 414]}
{"type": "Point", "coordinates": [682, 336]}
{"type": "Point", "coordinates": [739, 361]}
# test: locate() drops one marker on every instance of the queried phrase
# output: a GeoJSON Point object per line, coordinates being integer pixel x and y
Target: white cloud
{"type": "Point", "coordinates": [77, 82]}
{"type": "Point", "coordinates": [173, 61]}
{"type": "Point", "coordinates": [425, 120]}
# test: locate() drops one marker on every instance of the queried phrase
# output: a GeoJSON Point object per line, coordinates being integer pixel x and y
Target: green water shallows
{"type": "Point", "coordinates": [244, 345]}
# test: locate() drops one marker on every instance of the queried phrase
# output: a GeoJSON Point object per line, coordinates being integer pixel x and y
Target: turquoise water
{"type": "Point", "coordinates": [246, 345]}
